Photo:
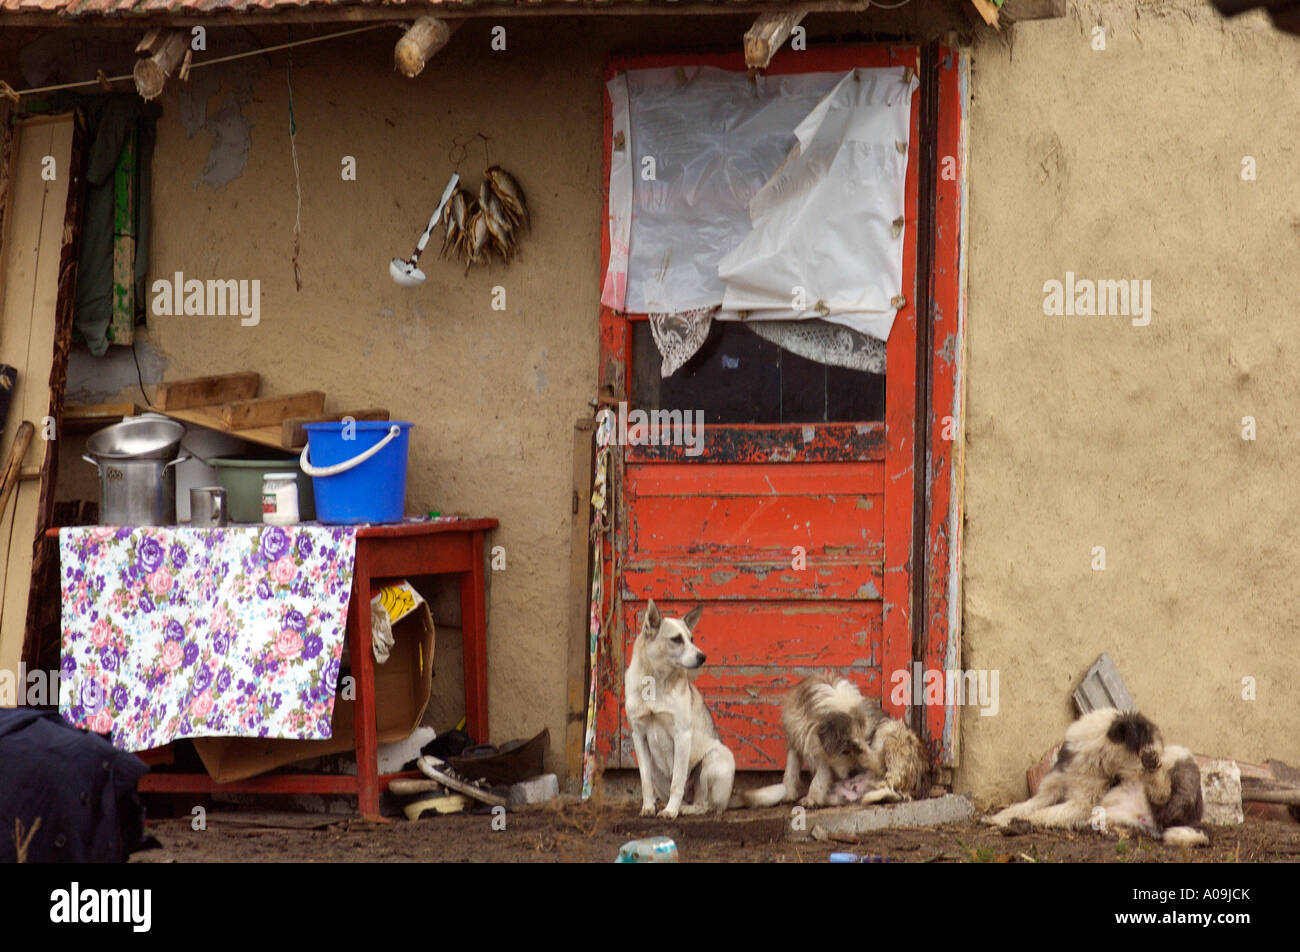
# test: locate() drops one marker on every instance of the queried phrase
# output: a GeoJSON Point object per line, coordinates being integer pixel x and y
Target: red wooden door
{"type": "Point", "coordinates": [796, 538]}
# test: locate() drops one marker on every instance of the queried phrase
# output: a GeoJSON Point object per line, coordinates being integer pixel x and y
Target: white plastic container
{"type": "Point", "coordinates": [280, 499]}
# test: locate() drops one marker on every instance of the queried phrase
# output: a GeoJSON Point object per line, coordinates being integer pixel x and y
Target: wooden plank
{"type": "Point", "coordinates": [271, 411]}
{"type": "Point", "coordinates": [945, 428]}
{"type": "Point", "coordinates": [209, 418]}
{"type": "Point", "coordinates": [8, 160]}
{"type": "Point", "coordinates": [34, 236]}
{"type": "Point", "coordinates": [852, 578]}
{"type": "Point", "coordinates": [757, 479]}
{"type": "Point", "coordinates": [89, 415]}
{"type": "Point", "coordinates": [773, 443]}
{"type": "Point", "coordinates": [205, 391]}
{"type": "Point", "coordinates": [43, 629]}
{"type": "Point", "coordinates": [756, 527]}
{"type": "Point", "coordinates": [294, 437]}
{"type": "Point", "coordinates": [901, 425]}
{"type": "Point", "coordinates": [579, 596]}
{"type": "Point", "coordinates": [767, 35]}
{"type": "Point", "coordinates": [783, 634]}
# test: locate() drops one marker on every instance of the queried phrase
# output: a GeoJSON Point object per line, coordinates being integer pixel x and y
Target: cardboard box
{"type": "Point", "coordinates": [403, 685]}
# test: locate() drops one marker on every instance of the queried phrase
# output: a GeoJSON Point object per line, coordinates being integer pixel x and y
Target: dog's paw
{"type": "Point", "coordinates": [668, 813]}
{"type": "Point", "coordinates": [1016, 827]}
{"type": "Point", "coordinates": [647, 809]}
{"type": "Point", "coordinates": [810, 802]}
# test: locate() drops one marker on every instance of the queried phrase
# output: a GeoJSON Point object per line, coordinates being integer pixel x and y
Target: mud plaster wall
{"type": "Point", "coordinates": [1082, 431]}
{"type": "Point", "coordinates": [493, 394]}
{"type": "Point", "coordinates": [1088, 431]}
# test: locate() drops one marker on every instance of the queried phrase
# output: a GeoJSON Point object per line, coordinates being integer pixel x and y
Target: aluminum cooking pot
{"type": "Point", "coordinates": [135, 459]}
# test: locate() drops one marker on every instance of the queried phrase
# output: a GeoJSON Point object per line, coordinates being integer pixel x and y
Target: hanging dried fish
{"type": "Point", "coordinates": [511, 195]}
{"type": "Point", "coordinates": [476, 239]}
{"type": "Point", "coordinates": [457, 215]}
{"type": "Point", "coordinates": [498, 221]}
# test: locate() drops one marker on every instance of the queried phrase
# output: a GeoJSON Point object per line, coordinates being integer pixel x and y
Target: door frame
{"type": "Point", "coordinates": [924, 379]}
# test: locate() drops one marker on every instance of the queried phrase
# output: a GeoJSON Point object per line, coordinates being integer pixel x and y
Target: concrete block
{"type": "Point", "coordinates": [537, 790]}
{"type": "Point", "coordinates": [935, 811]}
{"type": "Point", "coordinates": [1221, 790]}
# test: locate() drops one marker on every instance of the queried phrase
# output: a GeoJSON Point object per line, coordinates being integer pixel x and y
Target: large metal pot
{"type": "Point", "coordinates": [136, 481]}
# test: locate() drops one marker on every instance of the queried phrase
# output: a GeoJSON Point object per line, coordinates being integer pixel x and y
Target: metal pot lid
{"type": "Point", "coordinates": [144, 437]}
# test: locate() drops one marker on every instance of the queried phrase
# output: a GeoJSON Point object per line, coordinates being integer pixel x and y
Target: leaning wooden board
{"type": "Point", "coordinates": [29, 262]}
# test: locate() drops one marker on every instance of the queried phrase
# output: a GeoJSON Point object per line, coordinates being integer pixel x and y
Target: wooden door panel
{"type": "Point", "coordinates": [778, 634]}
{"type": "Point", "coordinates": [756, 528]}
{"type": "Point", "coordinates": [709, 579]}
{"type": "Point", "coordinates": [719, 528]}
{"type": "Point", "coordinates": [758, 479]}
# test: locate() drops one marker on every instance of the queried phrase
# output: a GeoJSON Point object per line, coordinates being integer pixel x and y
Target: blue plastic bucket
{"type": "Point", "coordinates": [357, 480]}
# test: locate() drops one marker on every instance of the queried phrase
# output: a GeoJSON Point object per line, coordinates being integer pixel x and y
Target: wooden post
{"type": "Point", "coordinates": [767, 34]}
{"type": "Point", "coordinates": [420, 43]}
{"type": "Point", "coordinates": [151, 74]}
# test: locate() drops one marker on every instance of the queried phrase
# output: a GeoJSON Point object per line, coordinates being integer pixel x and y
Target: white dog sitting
{"type": "Point", "coordinates": [677, 747]}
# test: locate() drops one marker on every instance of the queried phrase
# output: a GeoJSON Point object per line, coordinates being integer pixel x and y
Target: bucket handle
{"type": "Point", "coordinates": [393, 433]}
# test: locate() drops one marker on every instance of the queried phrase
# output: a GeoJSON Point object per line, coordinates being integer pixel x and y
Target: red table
{"type": "Point", "coordinates": [404, 550]}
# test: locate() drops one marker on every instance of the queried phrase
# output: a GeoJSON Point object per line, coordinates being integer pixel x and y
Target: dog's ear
{"type": "Point", "coordinates": [693, 618]}
{"type": "Point", "coordinates": [652, 619]}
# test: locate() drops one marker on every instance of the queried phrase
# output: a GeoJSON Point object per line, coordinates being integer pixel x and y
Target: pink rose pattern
{"type": "Point", "coordinates": [177, 632]}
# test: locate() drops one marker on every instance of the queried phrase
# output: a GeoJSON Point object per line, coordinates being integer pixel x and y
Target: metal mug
{"type": "Point", "coordinates": [207, 507]}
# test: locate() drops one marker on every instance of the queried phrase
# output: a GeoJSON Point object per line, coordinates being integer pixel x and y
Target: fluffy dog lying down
{"type": "Point", "coordinates": [844, 737]}
{"type": "Point", "coordinates": [1117, 763]}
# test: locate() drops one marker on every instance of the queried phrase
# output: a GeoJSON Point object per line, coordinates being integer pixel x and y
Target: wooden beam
{"type": "Point", "coordinates": [294, 437]}
{"type": "Point", "coordinates": [767, 35]}
{"type": "Point", "coordinates": [380, 14]}
{"type": "Point", "coordinates": [265, 411]}
{"type": "Point", "coordinates": [1013, 11]}
{"type": "Point", "coordinates": [421, 43]}
{"type": "Point", "coordinates": [151, 74]}
{"type": "Point", "coordinates": [205, 391]}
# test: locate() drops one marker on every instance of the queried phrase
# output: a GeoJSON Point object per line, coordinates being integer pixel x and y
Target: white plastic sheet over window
{"type": "Point", "coordinates": [777, 197]}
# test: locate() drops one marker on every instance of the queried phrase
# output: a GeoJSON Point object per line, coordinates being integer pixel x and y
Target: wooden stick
{"type": "Point", "coordinates": [13, 468]}
{"type": "Point", "coordinates": [151, 74]}
{"type": "Point", "coordinates": [767, 34]}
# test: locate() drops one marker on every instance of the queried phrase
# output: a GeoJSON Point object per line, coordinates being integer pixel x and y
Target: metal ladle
{"type": "Point", "coordinates": [406, 272]}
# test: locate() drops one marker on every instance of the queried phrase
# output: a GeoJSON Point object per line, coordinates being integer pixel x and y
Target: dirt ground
{"type": "Point", "coordinates": [576, 833]}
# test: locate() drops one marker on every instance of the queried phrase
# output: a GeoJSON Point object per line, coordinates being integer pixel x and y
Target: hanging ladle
{"type": "Point", "coordinates": [406, 272]}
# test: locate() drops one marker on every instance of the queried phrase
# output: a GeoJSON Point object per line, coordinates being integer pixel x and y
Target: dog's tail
{"type": "Point", "coordinates": [768, 796]}
{"type": "Point", "coordinates": [1185, 836]}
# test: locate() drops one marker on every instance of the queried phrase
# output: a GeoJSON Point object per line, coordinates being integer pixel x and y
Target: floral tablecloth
{"type": "Point", "coordinates": [180, 632]}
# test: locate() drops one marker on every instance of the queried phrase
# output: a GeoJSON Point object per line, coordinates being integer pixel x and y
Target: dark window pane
{"type": "Point", "coordinates": [737, 377]}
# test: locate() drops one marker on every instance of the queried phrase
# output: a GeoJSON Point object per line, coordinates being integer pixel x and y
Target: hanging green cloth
{"type": "Point", "coordinates": [114, 258]}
